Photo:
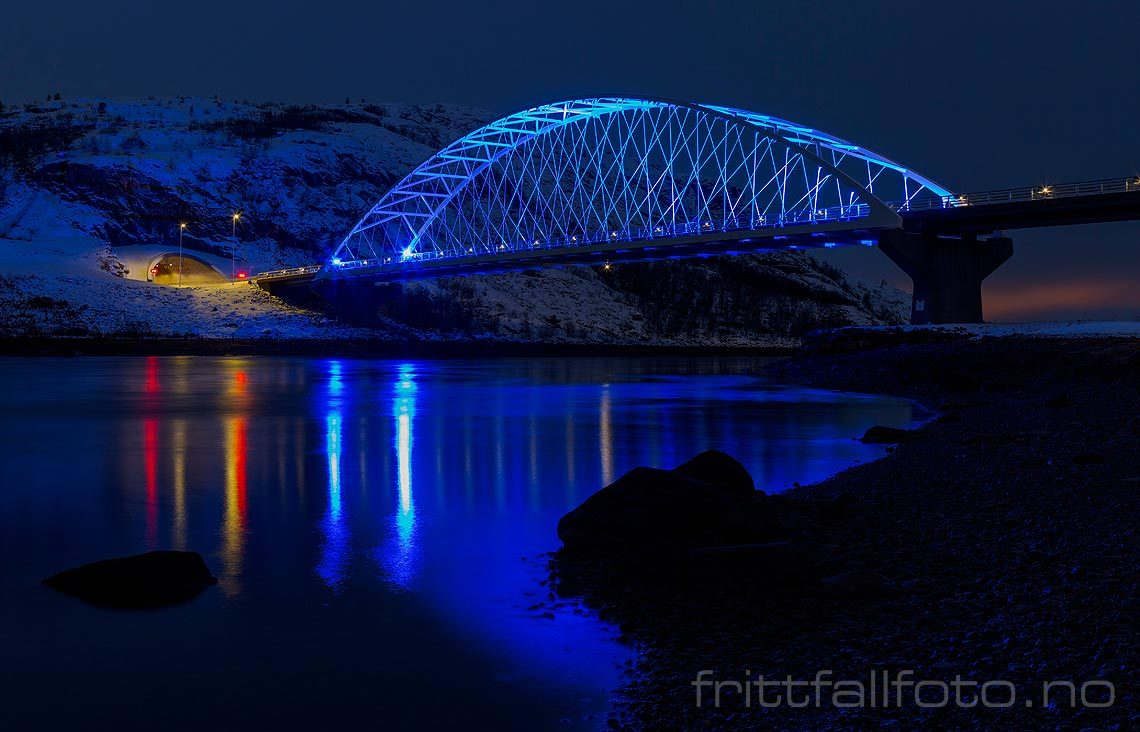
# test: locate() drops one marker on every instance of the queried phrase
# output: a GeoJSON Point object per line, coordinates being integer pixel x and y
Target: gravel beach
{"type": "Point", "coordinates": [998, 543]}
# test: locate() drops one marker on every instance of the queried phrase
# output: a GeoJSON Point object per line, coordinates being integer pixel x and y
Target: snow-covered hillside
{"type": "Point", "coordinates": [90, 189]}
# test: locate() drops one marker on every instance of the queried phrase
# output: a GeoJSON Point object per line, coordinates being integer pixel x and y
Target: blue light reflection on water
{"type": "Point", "coordinates": [332, 567]}
{"type": "Point", "coordinates": [371, 521]}
{"type": "Point", "coordinates": [399, 560]}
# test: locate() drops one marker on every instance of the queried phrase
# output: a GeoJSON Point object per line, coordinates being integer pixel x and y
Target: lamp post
{"type": "Point", "coordinates": [181, 231]}
{"type": "Point", "coordinates": [233, 247]}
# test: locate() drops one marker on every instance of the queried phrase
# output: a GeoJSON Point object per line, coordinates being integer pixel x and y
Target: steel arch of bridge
{"type": "Point", "coordinates": [613, 174]}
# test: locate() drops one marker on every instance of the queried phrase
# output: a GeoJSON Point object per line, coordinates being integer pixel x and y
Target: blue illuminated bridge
{"type": "Point", "coordinates": [617, 179]}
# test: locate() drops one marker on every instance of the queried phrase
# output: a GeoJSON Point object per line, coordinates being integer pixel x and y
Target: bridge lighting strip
{"type": "Point", "coordinates": [561, 172]}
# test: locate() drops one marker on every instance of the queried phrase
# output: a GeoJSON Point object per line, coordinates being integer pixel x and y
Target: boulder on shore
{"type": "Point", "coordinates": [751, 566]}
{"type": "Point", "coordinates": [152, 579]}
{"type": "Point", "coordinates": [700, 525]}
{"type": "Point", "coordinates": [751, 522]}
{"type": "Point", "coordinates": [880, 435]}
{"type": "Point", "coordinates": [686, 506]}
{"type": "Point", "coordinates": [721, 470]}
{"type": "Point", "coordinates": [644, 506]}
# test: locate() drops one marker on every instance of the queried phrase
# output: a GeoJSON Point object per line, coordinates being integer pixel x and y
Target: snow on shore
{"type": "Point", "coordinates": [1061, 329]}
{"type": "Point", "coordinates": [62, 287]}
{"type": "Point", "coordinates": [83, 214]}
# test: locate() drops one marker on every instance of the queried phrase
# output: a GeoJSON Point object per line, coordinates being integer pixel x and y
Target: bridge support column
{"type": "Point", "coordinates": [947, 273]}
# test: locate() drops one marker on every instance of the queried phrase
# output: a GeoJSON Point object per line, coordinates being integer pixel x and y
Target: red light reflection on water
{"type": "Point", "coordinates": [150, 458]}
{"type": "Point", "coordinates": [234, 521]}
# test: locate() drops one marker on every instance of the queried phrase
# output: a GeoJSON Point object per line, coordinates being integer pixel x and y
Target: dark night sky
{"type": "Point", "coordinates": [976, 95]}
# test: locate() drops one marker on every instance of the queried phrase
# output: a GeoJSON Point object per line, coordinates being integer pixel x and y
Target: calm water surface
{"type": "Point", "coordinates": [378, 528]}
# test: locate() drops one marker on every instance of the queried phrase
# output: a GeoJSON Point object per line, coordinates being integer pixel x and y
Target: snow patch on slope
{"type": "Point", "coordinates": [130, 171]}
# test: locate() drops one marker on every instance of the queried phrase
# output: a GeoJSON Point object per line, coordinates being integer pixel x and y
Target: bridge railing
{"type": "Point", "coordinates": [290, 272]}
{"type": "Point", "coordinates": [1034, 193]}
{"type": "Point", "coordinates": [632, 234]}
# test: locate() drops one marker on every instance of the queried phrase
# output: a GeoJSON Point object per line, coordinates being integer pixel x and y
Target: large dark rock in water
{"type": "Point", "coordinates": [752, 522]}
{"type": "Point", "coordinates": [751, 566]}
{"type": "Point", "coordinates": [880, 435]}
{"type": "Point", "coordinates": [142, 580]}
{"type": "Point", "coordinates": [645, 506]}
{"type": "Point", "coordinates": [721, 470]}
{"type": "Point", "coordinates": [649, 506]}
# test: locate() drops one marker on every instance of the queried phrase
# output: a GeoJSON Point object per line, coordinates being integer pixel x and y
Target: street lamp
{"type": "Point", "coordinates": [181, 231]}
{"type": "Point", "coordinates": [233, 247]}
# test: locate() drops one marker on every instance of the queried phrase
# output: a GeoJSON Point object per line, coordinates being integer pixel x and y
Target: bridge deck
{"type": "Point", "coordinates": [699, 243]}
{"type": "Point", "coordinates": [973, 213]}
{"type": "Point", "coordinates": [1027, 208]}
{"type": "Point", "coordinates": [290, 275]}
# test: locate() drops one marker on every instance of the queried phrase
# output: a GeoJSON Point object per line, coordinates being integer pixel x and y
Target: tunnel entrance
{"type": "Point", "coordinates": [164, 271]}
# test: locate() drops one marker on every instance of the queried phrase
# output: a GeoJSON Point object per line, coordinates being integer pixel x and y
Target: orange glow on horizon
{"type": "Point", "coordinates": [1020, 302]}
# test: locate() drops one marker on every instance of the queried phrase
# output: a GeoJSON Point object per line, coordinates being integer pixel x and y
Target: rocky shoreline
{"type": "Point", "coordinates": [352, 348]}
{"type": "Point", "coordinates": [996, 543]}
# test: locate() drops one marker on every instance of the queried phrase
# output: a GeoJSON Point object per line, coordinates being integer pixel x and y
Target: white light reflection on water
{"type": "Point", "coordinates": [333, 564]}
{"type": "Point", "coordinates": [400, 559]}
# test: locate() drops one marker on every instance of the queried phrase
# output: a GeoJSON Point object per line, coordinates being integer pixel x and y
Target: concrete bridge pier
{"type": "Point", "coordinates": [947, 272]}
